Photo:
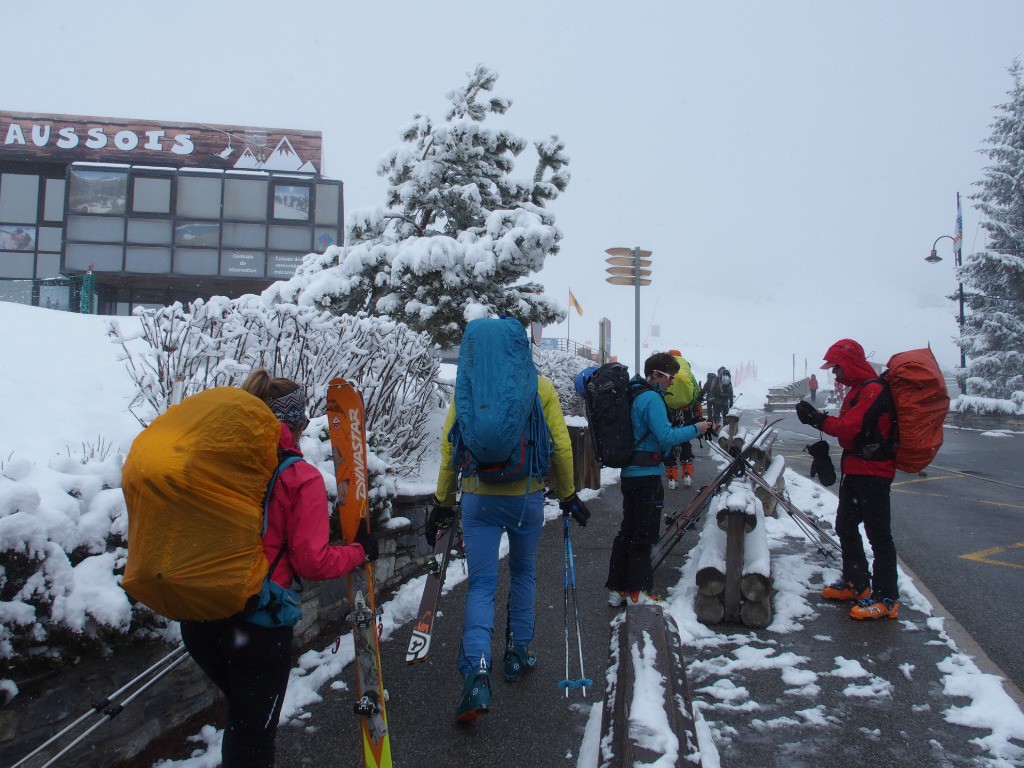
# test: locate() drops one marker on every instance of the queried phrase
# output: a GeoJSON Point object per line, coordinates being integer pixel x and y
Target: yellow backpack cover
{"type": "Point", "coordinates": [194, 482]}
{"type": "Point", "coordinates": [684, 390]}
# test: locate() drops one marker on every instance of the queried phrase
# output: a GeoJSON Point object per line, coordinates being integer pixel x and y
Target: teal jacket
{"type": "Point", "coordinates": [650, 422]}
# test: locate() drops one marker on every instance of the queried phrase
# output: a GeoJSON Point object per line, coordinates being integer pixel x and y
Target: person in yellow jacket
{"type": "Point", "coordinates": [488, 509]}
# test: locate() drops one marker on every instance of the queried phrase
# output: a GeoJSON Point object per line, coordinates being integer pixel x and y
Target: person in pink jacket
{"type": "Point", "coordinates": [249, 662]}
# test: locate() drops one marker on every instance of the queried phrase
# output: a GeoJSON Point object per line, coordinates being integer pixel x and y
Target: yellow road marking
{"type": "Point", "coordinates": [985, 556]}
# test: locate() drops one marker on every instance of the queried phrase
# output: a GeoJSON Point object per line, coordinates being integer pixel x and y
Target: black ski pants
{"type": "Point", "coordinates": [643, 499]}
{"type": "Point", "coordinates": [250, 664]}
{"type": "Point", "coordinates": [865, 499]}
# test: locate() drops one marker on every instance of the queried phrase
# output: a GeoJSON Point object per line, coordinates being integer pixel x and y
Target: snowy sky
{"type": "Point", "coordinates": [801, 155]}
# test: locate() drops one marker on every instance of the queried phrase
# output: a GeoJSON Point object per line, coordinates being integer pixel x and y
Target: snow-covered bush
{"type": "Point", "coordinates": [63, 531]}
{"type": "Point", "coordinates": [562, 368]}
{"type": "Point", "coordinates": [217, 343]}
{"type": "Point", "coordinates": [989, 405]}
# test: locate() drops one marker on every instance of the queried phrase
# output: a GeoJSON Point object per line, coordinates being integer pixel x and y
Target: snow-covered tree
{"type": "Point", "coordinates": [458, 228]}
{"type": "Point", "coordinates": [994, 279]}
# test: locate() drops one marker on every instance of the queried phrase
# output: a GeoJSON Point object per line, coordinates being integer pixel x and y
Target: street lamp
{"type": "Point", "coordinates": [934, 258]}
{"type": "Point", "coordinates": [629, 267]}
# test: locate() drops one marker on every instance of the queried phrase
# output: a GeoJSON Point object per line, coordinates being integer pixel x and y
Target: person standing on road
{"type": "Point", "coordinates": [812, 386]}
{"type": "Point", "coordinates": [868, 466]}
{"type": "Point", "coordinates": [630, 577]}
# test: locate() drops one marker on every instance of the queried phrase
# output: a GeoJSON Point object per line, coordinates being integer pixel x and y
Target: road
{"type": "Point", "coordinates": [960, 527]}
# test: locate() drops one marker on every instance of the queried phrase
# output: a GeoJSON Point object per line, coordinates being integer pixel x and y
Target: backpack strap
{"type": "Point", "coordinates": [285, 460]}
{"type": "Point", "coordinates": [870, 444]}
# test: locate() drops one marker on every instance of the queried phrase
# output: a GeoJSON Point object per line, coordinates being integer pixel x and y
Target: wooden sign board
{"type": "Point", "coordinates": [626, 261]}
{"type": "Point", "coordinates": [627, 252]}
{"type": "Point", "coordinates": [622, 280]}
{"type": "Point", "coordinates": [627, 271]}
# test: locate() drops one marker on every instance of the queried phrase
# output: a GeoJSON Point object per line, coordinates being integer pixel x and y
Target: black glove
{"type": "Point", "coordinates": [368, 541]}
{"type": "Point", "coordinates": [821, 464]}
{"type": "Point", "coordinates": [808, 414]}
{"type": "Point", "coordinates": [574, 506]}
{"type": "Point", "coordinates": [438, 518]}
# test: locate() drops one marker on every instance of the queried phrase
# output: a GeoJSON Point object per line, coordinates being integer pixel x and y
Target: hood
{"type": "Point", "coordinates": [850, 355]}
{"type": "Point", "coordinates": [286, 442]}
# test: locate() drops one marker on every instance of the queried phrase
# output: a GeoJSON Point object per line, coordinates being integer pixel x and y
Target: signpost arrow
{"type": "Point", "coordinates": [627, 271]}
{"type": "Point", "coordinates": [623, 280]}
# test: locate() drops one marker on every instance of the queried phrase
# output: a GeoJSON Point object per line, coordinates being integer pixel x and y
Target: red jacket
{"type": "Point", "coordinates": [299, 515]}
{"type": "Point", "coordinates": [846, 426]}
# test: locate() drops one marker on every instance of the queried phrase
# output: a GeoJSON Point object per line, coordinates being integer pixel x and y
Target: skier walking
{"type": "Point", "coordinates": [249, 662]}
{"type": "Point", "coordinates": [868, 466]}
{"type": "Point", "coordinates": [490, 508]}
{"type": "Point", "coordinates": [630, 577]}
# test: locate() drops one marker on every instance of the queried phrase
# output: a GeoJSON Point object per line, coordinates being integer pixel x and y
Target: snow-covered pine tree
{"type": "Point", "coordinates": [994, 279]}
{"type": "Point", "coordinates": [458, 230]}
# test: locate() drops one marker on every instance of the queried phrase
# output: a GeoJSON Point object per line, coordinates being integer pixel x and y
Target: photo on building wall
{"type": "Point", "coordinates": [17, 238]}
{"type": "Point", "coordinates": [103, 192]}
{"type": "Point", "coordinates": [291, 202]}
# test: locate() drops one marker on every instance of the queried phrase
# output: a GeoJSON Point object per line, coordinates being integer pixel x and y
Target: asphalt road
{"type": "Point", "coordinates": [959, 526]}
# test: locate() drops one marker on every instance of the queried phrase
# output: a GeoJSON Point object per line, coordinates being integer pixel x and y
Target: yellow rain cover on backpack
{"type": "Point", "coordinates": [194, 482]}
{"type": "Point", "coordinates": [684, 389]}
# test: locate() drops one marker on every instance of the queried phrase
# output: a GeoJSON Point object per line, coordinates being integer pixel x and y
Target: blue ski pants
{"type": "Point", "coordinates": [484, 518]}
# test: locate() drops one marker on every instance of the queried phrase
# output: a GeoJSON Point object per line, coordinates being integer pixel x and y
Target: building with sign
{"type": "Point", "coordinates": [156, 212]}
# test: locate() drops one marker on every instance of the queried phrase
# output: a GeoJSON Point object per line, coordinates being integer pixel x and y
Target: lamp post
{"type": "Point", "coordinates": [626, 269]}
{"type": "Point", "coordinates": [934, 258]}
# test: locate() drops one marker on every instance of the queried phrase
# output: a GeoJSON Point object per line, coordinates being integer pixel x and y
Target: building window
{"type": "Point", "coordinates": [245, 199]}
{"type": "Point", "coordinates": [198, 197]}
{"type": "Point", "coordinates": [245, 235]}
{"type": "Point", "coordinates": [103, 258]}
{"type": "Point", "coordinates": [53, 200]}
{"type": "Point", "coordinates": [95, 229]}
{"type": "Point", "coordinates": [149, 231]}
{"type": "Point", "coordinates": [327, 204]}
{"type": "Point", "coordinates": [195, 261]}
{"type": "Point", "coordinates": [197, 234]}
{"type": "Point", "coordinates": [97, 192]}
{"type": "Point", "coordinates": [291, 202]}
{"type": "Point", "coordinates": [151, 195]}
{"type": "Point", "coordinates": [290, 238]}
{"type": "Point", "coordinates": [19, 198]}
{"type": "Point", "coordinates": [155, 261]}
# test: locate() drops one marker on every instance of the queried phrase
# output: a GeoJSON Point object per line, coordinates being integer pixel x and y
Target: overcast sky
{"type": "Point", "coordinates": [788, 163]}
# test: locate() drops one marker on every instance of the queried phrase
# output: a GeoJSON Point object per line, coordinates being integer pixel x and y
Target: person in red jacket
{"type": "Point", "coordinates": [868, 466]}
{"type": "Point", "coordinates": [250, 663]}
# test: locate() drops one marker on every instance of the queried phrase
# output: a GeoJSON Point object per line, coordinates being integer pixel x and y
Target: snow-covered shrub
{"type": "Point", "coordinates": [989, 405]}
{"type": "Point", "coordinates": [562, 368]}
{"type": "Point", "coordinates": [63, 531]}
{"type": "Point", "coordinates": [217, 343]}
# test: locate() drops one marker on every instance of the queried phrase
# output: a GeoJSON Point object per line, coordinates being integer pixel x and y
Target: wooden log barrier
{"type": "Point", "coordinates": [645, 636]}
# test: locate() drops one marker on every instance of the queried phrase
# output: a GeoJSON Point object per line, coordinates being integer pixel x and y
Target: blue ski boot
{"type": "Point", "coordinates": [518, 661]}
{"type": "Point", "coordinates": [476, 694]}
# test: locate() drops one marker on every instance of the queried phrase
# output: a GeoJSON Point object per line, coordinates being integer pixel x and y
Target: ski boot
{"type": "Point", "coordinates": [876, 608]}
{"type": "Point", "coordinates": [844, 590]}
{"type": "Point", "coordinates": [476, 694]}
{"type": "Point", "coordinates": [518, 661]}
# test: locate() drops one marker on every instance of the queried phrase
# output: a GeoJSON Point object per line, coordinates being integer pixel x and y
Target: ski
{"type": "Point", "coordinates": [682, 522]}
{"type": "Point", "coordinates": [347, 428]}
{"type": "Point", "coordinates": [437, 568]}
{"type": "Point", "coordinates": [808, 525]}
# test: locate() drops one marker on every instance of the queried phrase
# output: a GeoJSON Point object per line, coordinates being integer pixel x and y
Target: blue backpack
{"type": "Point", "coordinates": [499, 434]}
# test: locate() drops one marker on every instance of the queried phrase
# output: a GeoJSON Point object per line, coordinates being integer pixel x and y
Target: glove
{"type": "Point", "coordinates": [368, 541]}
{"type": "Point", "coordinates": [821, 464]}
{"type": "Point", "coordinates": [808, 414]}
{"type": "Point", "coordinates": [438, 518]}
{"type": "Point", "coordinates": [575, 507]}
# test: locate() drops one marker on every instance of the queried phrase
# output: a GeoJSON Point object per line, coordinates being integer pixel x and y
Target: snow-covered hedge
{"type": "Point", "coordinates": [989, 405]}
{"type": "Point", "coordinates": [63, 532]}
{"type": "Point", "coordinates": [217, 343]}
{"type": "Point", "coordinates": [562, 368]}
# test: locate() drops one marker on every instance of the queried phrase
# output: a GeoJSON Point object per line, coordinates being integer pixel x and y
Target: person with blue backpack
{"type": "Point", "coordinates": [503, 435]}
{"type": "Point", "coordinates": [630, 576]}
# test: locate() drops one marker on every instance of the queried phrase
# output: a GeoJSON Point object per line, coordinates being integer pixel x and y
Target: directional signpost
{"type": "Point", "coordinates": [630, 266]}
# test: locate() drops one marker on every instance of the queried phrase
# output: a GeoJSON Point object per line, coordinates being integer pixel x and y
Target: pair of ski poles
{"type": "Point", "coordinates": [582, 681]}
{"type": "Point", "coordinates": [107, 709]}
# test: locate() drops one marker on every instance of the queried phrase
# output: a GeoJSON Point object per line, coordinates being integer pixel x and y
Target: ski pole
{"type": "Point", "coordinates": [111, 712]}
{"type": "Point", "coordinates": [570, 584]}
{"type": "Point", "coordinates": [99, 706]}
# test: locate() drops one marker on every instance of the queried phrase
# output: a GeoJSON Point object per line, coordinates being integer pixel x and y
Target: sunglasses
{"type": "Point", "coordinates": [669, 376]}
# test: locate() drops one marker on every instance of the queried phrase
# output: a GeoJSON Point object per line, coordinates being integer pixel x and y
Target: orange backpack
{"type": "Point", "coordinates": [194, 484]}
{"type": "Point", "coordinates": [917, 390]}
